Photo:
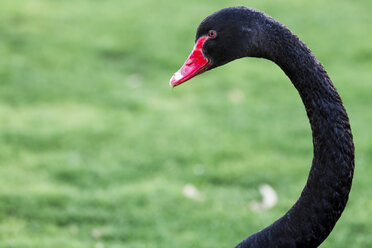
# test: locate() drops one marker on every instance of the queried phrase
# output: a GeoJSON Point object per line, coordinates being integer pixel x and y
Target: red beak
{"type": "Point", "coordinates": [195, 64]}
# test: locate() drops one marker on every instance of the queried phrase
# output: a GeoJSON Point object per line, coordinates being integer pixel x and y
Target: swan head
{"type": "Point", "coordinates": [222, 37]}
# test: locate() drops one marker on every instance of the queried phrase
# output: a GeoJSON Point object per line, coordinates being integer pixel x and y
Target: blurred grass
{"type": "Point", "coordinates": [96, 148]}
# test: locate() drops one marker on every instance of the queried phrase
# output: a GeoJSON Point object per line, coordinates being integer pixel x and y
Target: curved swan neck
{"type": "Point", "coordinates": [325, 195]}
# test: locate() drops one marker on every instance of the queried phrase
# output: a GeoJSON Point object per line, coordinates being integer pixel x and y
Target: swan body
{"type": "Point", "coordinates": [238, 32]}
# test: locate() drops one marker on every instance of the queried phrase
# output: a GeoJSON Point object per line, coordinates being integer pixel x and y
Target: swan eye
{"type": "Point", "coordinates": [212, 33]}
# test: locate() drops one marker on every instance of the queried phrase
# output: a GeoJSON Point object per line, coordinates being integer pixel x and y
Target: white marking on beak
{"type": "Point", "coordinates": [177, 75]}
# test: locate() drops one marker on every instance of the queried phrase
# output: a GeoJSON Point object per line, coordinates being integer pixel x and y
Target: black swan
{"type": "Point", "coordinates": [238, 32]}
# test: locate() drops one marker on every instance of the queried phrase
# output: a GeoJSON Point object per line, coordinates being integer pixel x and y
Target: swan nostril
{"type": "Point", "coordinates": [190, 61]}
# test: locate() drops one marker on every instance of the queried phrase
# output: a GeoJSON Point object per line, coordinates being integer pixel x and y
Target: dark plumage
{"type": "Point", "coordinates": [245, 32]}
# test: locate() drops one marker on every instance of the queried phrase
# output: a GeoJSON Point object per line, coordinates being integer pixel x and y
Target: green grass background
{"type": "Point", "coordinates": [95, 148]}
